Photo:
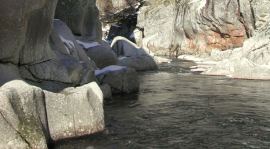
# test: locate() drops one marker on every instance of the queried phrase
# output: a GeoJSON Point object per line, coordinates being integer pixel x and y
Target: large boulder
{"type": "Point", "coordinates": [131, 55]}
{"type": "Point", "coordinates": [121, 79]}
{"type": "Point", "coordinates": [23, 116]}
{"type": "Point", "coordinates": [24, 30]}
{"type": "Point", "coordinates": [70, 64]}
{"type": "Point", "coordinates": [41, 51]}
{"type": "Point", "coordinates": [100, 52]}
{"type": "Point", "coordinates": [75, 111]}
{"type": "Point", "coordinates": [82, 16]}
{"type": "Point", "coordinates": [195, 26]}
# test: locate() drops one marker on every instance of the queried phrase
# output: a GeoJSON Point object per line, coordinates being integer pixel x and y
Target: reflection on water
{"type": "Point", "coordinates": [178, 109]}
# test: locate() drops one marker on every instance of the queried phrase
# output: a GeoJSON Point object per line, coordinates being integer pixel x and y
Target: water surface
{"type": "Point", "coordinates": [178, 109]}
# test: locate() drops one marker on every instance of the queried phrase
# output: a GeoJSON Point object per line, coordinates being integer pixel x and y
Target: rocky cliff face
{"type": "Point", "coordinates": [25, 28]}
{"type": "Point", "coordinates": [37, 50]}
{"type": "Point", "coordinates": [113, 10]}
{"type": "Point", "coordinates": [195, 26]}
{"type": "Point", "coordinates": [82, 17]}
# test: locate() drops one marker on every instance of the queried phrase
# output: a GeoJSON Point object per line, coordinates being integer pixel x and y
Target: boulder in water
{"type": "Point", "coordinates": [131, 55]}
{"type": "Point", "coordinates": [100, 52]}
{"type": "Point", "coordinates": [121, 79]}
{"type": "Point", "coordinates": [75, 111]}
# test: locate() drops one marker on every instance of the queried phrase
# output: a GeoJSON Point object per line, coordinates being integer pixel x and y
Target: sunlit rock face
{"type": "Point", "coordinates": [111, 10]}
{"type": "Point", "coordinates": [130, 55]}
{"type": "Point", "coordinates": [261, 12]}
{"type": "Point", "coordinates": [75, 111]}
{"type": "Point", "coordinates": [82, 17]}
{"type": "Point", "coordinates": [194, 26]}
{"type": "Point", "coordinates": [252, 60]}
{"type": "Point", "coordinates": [23, 122]}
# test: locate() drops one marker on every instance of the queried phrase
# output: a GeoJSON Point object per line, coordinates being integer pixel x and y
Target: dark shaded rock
{"type": "Point", "coordinates": [69, 65]}
{"type": "Point", "coordinates": [8, 73]}
{"type": "Point", "coordinates": [120, 79]}
{"type": "Point", "coordinates": [24, 31]}
{"type": "Point", "coordinates": [100, 52]}
{"type": "Point", "coordinates": [82, 16]}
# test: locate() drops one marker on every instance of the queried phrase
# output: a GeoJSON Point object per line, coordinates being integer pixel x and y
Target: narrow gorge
{"type": "Point", "coordinates": [85, 74]}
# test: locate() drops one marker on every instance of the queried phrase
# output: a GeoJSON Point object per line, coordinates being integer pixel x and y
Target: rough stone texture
{"type": "Point", "coordinates": [82, 16]}
{"type": "Point", "coordinates": [75, 111]}
{"type": "Point", "coordinates": [113, 10]}
{"type": "Point", "coordinates": [194, 26]}
{"type": "Point", "coordinates": [252, 61]}
{"type": "Point", "coordinates": [101, 53]}
{"type": "Point", "coordinates": [261, 12]}
{"type": "Point", "coordinates": [24, 30]}
{"type": "Point", "coordinates": [35, 48]}
{"type": "Point", "coordinates": [120, 79]}
{"type": "Point", "coordinates": [69, 65]}
{"type": "Point", "coordinates": [23, 116]}
{"type": "Point", "coordinates": [131, 55]}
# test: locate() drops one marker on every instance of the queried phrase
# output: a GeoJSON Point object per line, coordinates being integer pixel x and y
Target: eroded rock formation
{"type": "Point", "coordinates": [196, 26]}
{"type": "Point", "coordinates": [82, 17]}
{"type": "Point", "coordinates": [115, 10]}
{"type": "Point", "coordinates": [40, 57]}
{"type": "Point", "coordinates": [251, 61]}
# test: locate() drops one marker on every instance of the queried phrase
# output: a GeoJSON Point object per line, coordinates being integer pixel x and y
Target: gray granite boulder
{"type": "Point", "coordinates": [131, 55]}
{"type": "Point", "coordinates": [121, 79]}
{"type": "Point", "coordinates": [75, 111]}
{"type": "Point", "coordinates": [100, 52]}
{"type": "Point", "coordinates": [23, 116]}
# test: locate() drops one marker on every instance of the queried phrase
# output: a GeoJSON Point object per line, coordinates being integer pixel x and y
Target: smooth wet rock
{"type": "Point", "coordinates": [131, 55]}
{"type": "Point", "coordinates": [75, 111]}
{"type": "Point", "coordinates": [100, 52]}
{"type": "Point", "coordinates": [139, 63]}
{"type": "Point", "coordinates": [113, 10]}
{"type": "Point", "coordinates": [121, 79]}
{"type": "Point", "coordinates": [107, 91]}
{"type": "Point", "coordinates": [23, 116]}
{"type": "Point", "coordinates": [69, 65]}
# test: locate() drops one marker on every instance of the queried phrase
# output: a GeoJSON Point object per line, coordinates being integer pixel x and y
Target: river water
{"type": "Point", "coordinates": [179, 109]}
